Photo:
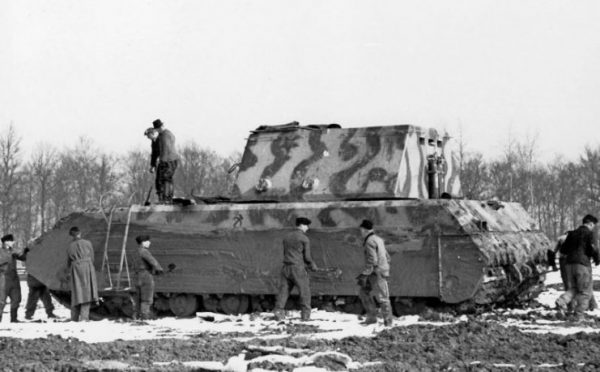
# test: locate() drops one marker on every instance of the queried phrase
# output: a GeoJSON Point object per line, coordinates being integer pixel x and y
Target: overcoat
{"type": "Point", "coordinates": [80, 258]}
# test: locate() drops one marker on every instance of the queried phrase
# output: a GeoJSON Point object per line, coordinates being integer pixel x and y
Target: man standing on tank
{"type": "Point", "coordinates": [152, 135]}
{"type": "Point", "coordinates": [296, 256]}
{"type": "Point", "coordinates": [166, 164]}
{"type": "Point", "coordinates": [84, 287]}
{"type": "Point", "coordinates": [144, 267]}
{"type": "Point", "coordinates": [373, 279]}
{"type": "Point", "coordinates": [579, 248]}
{"type": "Point", "coordinates": [12, 285]}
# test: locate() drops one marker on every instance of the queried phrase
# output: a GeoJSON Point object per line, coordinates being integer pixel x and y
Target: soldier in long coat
{"type": "Point", "coordinates": [84, 287]}
{"type": "Point", "coordinates": [144, 266]}
{"type": "Point", "coordinates": [12, 285]}
{"type": "Point", "coordinates": [373, 279]}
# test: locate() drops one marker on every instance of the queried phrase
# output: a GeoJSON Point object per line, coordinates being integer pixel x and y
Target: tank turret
{"type": "Point", "coordinates": [326, 162]}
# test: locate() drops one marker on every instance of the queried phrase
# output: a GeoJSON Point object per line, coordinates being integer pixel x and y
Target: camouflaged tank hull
{"type": "Point", "coordinates": [452, 250]}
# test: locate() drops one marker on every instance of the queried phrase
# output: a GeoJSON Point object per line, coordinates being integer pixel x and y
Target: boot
{"type": "Point", "coordinates": [305, 315]}
{"type": "Point", "coordinates": [561, 309]}
{"type": "Point", "coordinates": [13, 316]}
{"type": "Point", "coordinates": [279, 315]}
{"type": "Point", "coordinates": [386, 312]}
{"type": "Point", "coordinates": [145, 311]}
{"type": "Point", "coordinates": [370, 319]}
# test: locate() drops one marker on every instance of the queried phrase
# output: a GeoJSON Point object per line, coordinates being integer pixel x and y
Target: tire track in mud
{"type": "Point", "coordinates": [472, 345]}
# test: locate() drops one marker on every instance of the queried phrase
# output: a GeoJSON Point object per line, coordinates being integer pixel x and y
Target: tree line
{"type": "Point", "coordinates": [39, 189]}
{"type": "Point", "coordinates": [556, 193]}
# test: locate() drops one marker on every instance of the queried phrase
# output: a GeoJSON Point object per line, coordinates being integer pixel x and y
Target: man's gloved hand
{"type": "Point", "coordinates": [362, 280]}
{"type": "Point", "coordinates": [314, 267]}
{"type": "Point", "coordinates": [159, 272]}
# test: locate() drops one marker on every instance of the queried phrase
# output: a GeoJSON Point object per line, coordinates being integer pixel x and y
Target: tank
{"type": "Point", "coordinates": [225, 254]}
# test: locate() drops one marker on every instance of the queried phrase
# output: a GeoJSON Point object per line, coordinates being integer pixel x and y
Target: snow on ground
{"type": "Point", "coordinates": [328, 325]}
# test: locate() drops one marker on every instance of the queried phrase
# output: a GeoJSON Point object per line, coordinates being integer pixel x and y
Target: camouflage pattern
{"type": "Point", "coordinates": [439, 248]}
{"type": "Point", "coordinates": [453, 250]}
{"type": "Point", "coordinates": [294, 163]}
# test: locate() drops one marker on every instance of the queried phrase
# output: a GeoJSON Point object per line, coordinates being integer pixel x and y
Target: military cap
{"type": "Point", "coordinates": [366, 224]}
{"type": "Point", "coordinates": [142, 238]}
{"type": "Point", "coordinates": [590, 218]}
{"type": "Point", "coordinates": [157, 123]}
{"type": "Point", "coordinates": [8, 238]}
{"type": "Point", "coordinates": [149, 131]}
{"type": "Point", "coordinates": [74, 231]}
{"type": "Point", "coordinates": [303, 221]}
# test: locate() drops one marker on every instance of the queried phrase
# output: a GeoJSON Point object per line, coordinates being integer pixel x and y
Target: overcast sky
{"type": "Point", "coordinates": [213, 70]}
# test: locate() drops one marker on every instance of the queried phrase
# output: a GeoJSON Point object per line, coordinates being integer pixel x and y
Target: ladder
{"type": "Point", "coordinates": [118, 276]}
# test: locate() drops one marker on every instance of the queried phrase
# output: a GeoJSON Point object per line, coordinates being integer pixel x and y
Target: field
{"type": "Point", "coordinates": [499, 340]}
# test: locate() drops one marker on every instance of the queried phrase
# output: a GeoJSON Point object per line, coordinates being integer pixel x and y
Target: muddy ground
{"type": "Point", "coordinates": [480, 343]}
{"type": "Point", "coordinates": [532, 338]}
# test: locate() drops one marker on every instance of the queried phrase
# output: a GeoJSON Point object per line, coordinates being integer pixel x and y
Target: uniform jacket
{"type": "Point", "coordinates": [11, 274]}
{"type": "Point", "coordinates": [5, 258]}
{"type": "Point", "coordinates": [80, 259]}
{"type": "Point", "coordinates": [579, 247]}
{"type": "Point", "coordinates": [377, 258]}
{"type": "Point", "coordinates": [166, 146]}
{"type": "Point", "coordinates": [144, 261]}
{"type": "Point", "coordinates": [296, 249]}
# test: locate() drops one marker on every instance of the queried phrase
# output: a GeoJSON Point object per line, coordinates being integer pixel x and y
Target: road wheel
{"type": "Point", "coordinates": [161, 304]}
{"type": "Point", "coordinates": [234, 304]}
{"type": "Point", "coordinates": [211, 303]}
{"type": "Point", "coordinates": [183, 305]}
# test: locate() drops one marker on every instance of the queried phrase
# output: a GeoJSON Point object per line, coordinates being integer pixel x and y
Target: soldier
{"type": "Point", "coordinates": [167, 163]}
{"type": "Point", "coordinates": [5, 258]}
{"type": "Point", "coordinates": [144, 266]}
{"type": "Point", "coordinates": [12, 285]}
{"type": "Point", "coordinates": [152, 135]}
{"type": "Point", "coordinates": [578, 248]}
{"type": "Point", "coordinates": [373, 279]}
{"type": "Point", "coordinates": [296, 254]}
{"type": "Point", "coordinates": [38, 290]}
{"type": "Point", "coordinates": [84, 288]}
{"type": "Point", "coordinates": [563, 273]}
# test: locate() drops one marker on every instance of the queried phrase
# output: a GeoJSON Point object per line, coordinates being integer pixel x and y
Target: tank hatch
{"type": "Point", "coordinates": [326, 162]}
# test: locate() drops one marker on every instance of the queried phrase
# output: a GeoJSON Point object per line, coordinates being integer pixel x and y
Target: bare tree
{"type": "Point", "coordinates": [10, 162]}
{"type": "Point", "coordinates": [137, 179]}
{"type": "Point", "coordinates": [43, 169]}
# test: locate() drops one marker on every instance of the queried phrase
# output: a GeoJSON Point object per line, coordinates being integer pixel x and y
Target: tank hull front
{"type": "Point", "coordinates": [437, 250]}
